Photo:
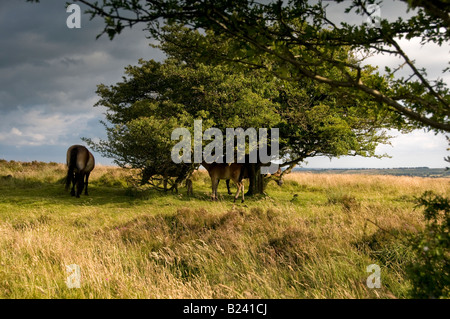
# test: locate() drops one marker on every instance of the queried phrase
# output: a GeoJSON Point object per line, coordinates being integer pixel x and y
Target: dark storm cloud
{"type": "Point", "coordinates": [32, 33]}
{"type": "Point", "coordinates": [40, 54]}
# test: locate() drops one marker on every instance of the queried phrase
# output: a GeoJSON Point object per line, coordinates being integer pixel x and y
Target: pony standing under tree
{"type": "Point", "coordinates": [80, 163]}
{"type": "Point", "coordinates": [234, 171]}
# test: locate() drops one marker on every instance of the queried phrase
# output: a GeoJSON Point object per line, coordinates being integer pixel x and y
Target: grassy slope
{"type": "Point", "coordinates": [136, 244]}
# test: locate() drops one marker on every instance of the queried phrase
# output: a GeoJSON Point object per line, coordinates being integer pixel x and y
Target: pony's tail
{"type": "Point", "coordinates": [72, 164]}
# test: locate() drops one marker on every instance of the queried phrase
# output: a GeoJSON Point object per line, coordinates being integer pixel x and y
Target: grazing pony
{"type": "Point", "coordinates": [80, 163]}
{"type": "Point", "coordinates": [244, 172]}
{"type": "Point", "coordinates": [228, 187]}
{"type": "Point", "coordinates": [233, 171]}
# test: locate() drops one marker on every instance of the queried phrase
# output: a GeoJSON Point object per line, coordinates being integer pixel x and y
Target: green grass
{"type": "Point", "coordinates": [311, 238]}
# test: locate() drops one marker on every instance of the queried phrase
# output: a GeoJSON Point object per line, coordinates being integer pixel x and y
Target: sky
{"type": "Point", "coordinates": [49, 74]}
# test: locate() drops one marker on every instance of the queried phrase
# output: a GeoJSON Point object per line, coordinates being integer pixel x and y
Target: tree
{"type": "Point", "coordinates": [295, 39]}
{"type": "Point", "coordinates": [155, 98]}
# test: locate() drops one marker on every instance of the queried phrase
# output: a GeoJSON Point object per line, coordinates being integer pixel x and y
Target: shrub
{"type": "Point", "coordinates": [430, 273]}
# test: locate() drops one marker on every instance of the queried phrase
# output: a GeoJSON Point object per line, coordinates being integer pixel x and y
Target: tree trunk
{"type": "Point", "coordinates": [256, 185]}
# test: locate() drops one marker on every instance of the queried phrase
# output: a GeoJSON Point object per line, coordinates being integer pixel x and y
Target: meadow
{"type": "Point", "coordinates": [313, 237]}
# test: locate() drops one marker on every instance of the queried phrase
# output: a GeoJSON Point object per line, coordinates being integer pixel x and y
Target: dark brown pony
{"type": "Point", "coordinates": [80, 163]}
{"type": "Point", "coordinates": [233, 171]}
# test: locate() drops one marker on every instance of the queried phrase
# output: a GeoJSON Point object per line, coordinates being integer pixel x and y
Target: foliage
{"type": "Point", "coordinates": [430, 272]}
{"type": "Point", "coordinates": [156, 98]}
{"type": "Point", "coordinates": [296, 39]}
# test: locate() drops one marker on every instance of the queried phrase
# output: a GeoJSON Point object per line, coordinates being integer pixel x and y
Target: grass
{"type": "Point", "coordinates": [311, 238]}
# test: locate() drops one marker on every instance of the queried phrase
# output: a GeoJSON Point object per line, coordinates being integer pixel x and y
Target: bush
{"type": "Point", "coordinates": [430, 273]}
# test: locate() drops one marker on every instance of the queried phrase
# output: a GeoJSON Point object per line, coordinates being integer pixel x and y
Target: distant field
{"type": "Point", "coordinates": [311, 238]}
{"type": "Point", "coordinates": [413, 171]}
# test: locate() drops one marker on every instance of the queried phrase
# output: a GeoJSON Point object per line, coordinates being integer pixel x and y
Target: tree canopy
{"type": "Point", "coordinates": [296, 39]}
{"type": "Point", "coordinates": [154, 98]}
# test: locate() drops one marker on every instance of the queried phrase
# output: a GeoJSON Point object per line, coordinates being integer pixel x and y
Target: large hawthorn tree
{"type": "Point", "coordinates": [156, 97]}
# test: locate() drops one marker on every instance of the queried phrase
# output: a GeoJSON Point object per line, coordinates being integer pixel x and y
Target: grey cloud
{"type": "Point", "coordinates": [49, 74]}
{"type": "Point", "coordinates": [40, 54]}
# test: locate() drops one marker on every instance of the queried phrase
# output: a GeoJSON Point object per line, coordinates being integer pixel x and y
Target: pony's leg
{"type": "Point", "coordinates": [237, 192]}
{"type": "Point", "coordinates": [80, 183]}
{"type": "Point", "coordinates": [217, 187]}
{"type": "Point", "coordinates": [242, 185]}
{"type": "Point", "coordinates": [87, 183]}
{"type": "Point", "coordinates": [73, 180]}
{"type": "Point", "coordinates": [212, 188]}
{"type": "Point", "coordinates": [228, 187]}
{"type": "Point", "coordinates": [215, 184]}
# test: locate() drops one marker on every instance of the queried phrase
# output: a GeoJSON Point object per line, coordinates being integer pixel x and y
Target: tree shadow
{"type": "Point", "coordinates": [28, 192]}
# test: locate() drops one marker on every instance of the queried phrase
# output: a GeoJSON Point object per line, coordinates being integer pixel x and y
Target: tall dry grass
{"type": "Point", "coordinates": [312, 238]}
